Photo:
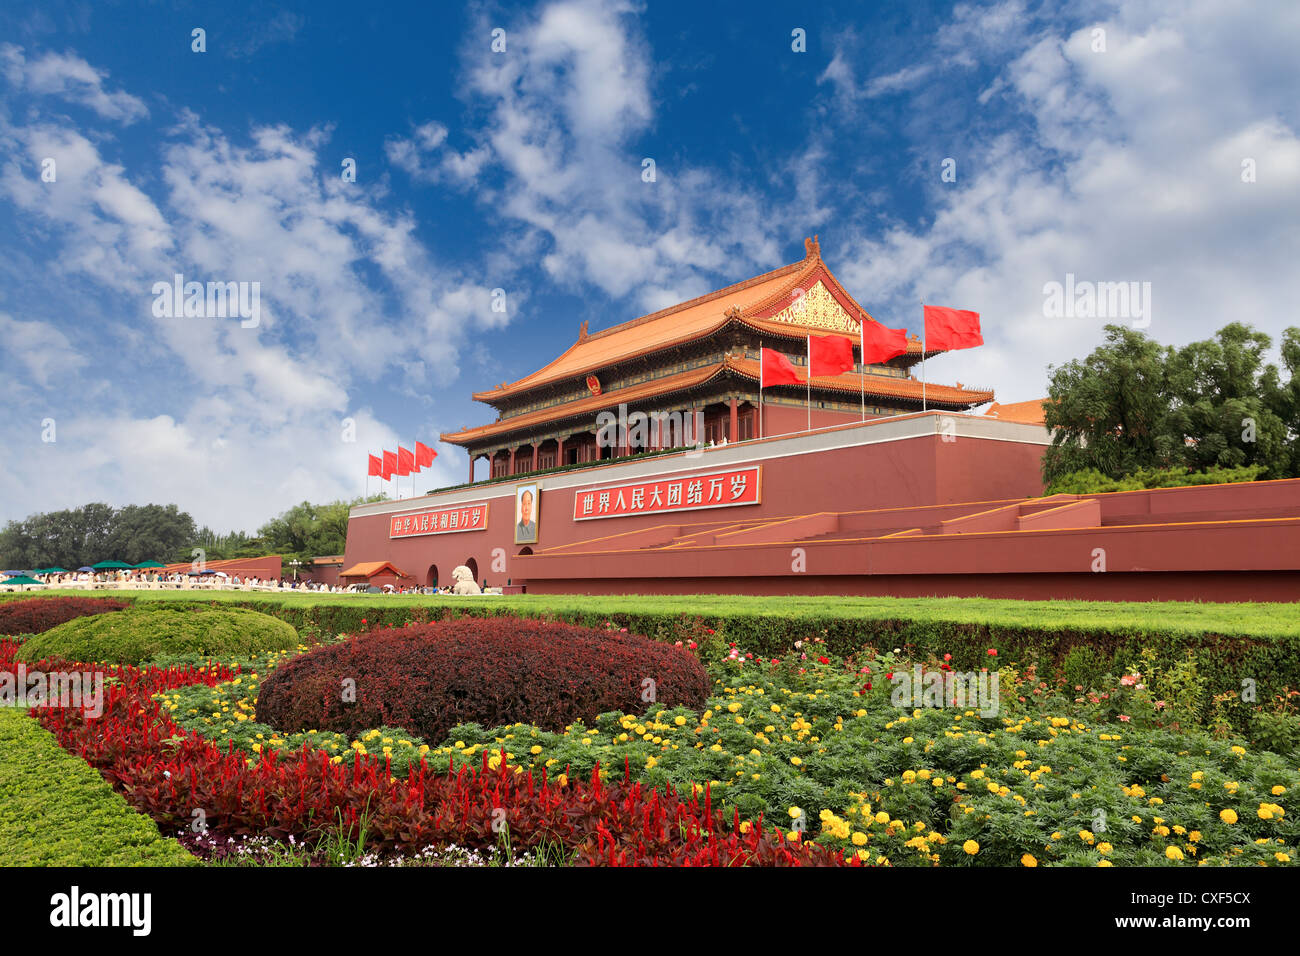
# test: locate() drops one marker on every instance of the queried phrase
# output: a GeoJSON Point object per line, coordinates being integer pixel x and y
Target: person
{"type": "Point", "coordinates": [526, 529]}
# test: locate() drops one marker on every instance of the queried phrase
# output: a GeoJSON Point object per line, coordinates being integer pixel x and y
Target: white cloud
{"type": "Point", "coordinates": [43, 350]}
{"type": "Point", "coordinates": [350, 296]}
{"type": "Point", "coordinates": [570, 123]}
{"type": "Point", "coordinates": [415, 156]}
{"type": "Point", "coordinates": [71, 78]}
{"type": "Point", "coordinates": [1129, 170]}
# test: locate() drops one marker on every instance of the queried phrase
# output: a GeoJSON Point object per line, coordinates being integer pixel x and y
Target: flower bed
{"type": "Point", "coordinates": [817, 742]}
{"type": "Point", "coordinates": [169, 774]}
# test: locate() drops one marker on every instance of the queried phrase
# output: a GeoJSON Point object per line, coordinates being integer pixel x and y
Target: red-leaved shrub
{"type": "Point", "coordinates": [428, 678]}
{"type": "Point", "coordinates": [37, 615]}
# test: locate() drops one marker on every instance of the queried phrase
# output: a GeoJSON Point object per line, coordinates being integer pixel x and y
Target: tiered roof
{"type": "Point", "coordinates": [785, 305]}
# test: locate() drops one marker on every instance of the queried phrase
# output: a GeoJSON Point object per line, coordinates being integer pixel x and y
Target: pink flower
{"type": "Point", "coordinates": [1160, 705]}
{"type": "Point", "coordinates": [1128, 680]}
{"type": "Point", "coordinates": [1124, 717]}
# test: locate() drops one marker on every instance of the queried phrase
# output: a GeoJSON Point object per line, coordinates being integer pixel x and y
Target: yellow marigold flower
{"type": "Point", "coordinates": [859, 838]}
{"type": "Point", "coordinates": [1282, 857]}
{"type": "Point", "coordinates": [1105, 862]}
{"type": "Point", "coordinates": [1028, 860]}
{"type": "Point", "coordinates": [1173, 853]}
{"type": "Point", "coordinates": [795, 813]}
{"type": "Point", "coordinates": [971, 847]}
{"type": "Point", "coordinates": [1104, 848]}
{"type": "Point", "coordinates": [796, 761]}
{"type": "Point", "coordinates": [1228, 815]}
{"type": "Point", "coordinates": [882, 817]}
{"type": "Point", "coordinates": [1278, 791]}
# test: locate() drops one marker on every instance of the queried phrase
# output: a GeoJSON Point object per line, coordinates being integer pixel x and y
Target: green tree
{"type": "Point", "coordinates": [92, 533]}
{"type": "Point", "coordinates": [1136, 406]}
{"type": "Point", "coordinates": [1111, 410]}
{"type": "Point", "coordinates": [1224, 401]}
{"type": "Point", "coordinates": [306, 530]}
{"type": "Point", "coordinates": [149, 533]}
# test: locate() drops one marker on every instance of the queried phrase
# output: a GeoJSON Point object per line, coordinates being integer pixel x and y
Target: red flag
{"type": "Point", "coordinates": [376, 466]}
{"type": "Point", "coordinates": [951, 328]}
{"type": "Point", "coordinates": [777, 370]}
{"type": "Point", "coordinates": [424, 455]}
{"type": "Point", "coordinates": [880, 344]}
{"type": "Point", "coordinates": [390, 465]}
{"type": "Point", "coordinates": [405, 461]}
{"type": "Point", "coordinates": [829, 354]}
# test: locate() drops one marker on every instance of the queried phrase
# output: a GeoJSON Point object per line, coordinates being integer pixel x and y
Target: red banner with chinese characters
{"type": "Point", "coordinates": [718, 489]}
{"type": "Point", "coordinates": [439, 521]}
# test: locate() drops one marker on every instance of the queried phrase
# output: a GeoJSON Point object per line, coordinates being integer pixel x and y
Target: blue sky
{"type": "Point", "coordinates": [521, 170]}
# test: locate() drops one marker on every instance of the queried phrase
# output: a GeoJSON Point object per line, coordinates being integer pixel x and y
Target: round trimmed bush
{"type": "Point", "coordinates": [136, 634]}
{"type": "Point", "coordinates": [427, 678]}
{"type": "Point", "coordinates": [36, 615]}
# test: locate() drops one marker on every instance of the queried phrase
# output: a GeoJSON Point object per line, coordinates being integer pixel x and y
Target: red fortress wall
{"type": "Point", "coordinates": [924, 504]}
{"type": "Point", "coordinates": [913, 460]}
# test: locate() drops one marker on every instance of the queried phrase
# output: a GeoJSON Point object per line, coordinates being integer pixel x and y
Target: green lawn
{"type": "Point", "coordinates": [55, 810]}
{"type": "Point", "coordinates": [1261, 619]}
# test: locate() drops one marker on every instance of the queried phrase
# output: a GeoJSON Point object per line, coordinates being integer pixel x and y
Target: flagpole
{"type": "Point", "coordinates": [808, 370]}
{"type": "Point", "coordinates": [923, 403]}
{"type": "Point", "coordinates": [760, 388]}
{"type": "Point", "coordinates": [862, 365]}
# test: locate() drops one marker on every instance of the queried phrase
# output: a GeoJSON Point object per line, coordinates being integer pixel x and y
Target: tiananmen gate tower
{"type": "Point", "coordinates": [646, 458]}
{"type": "Point", "coordinates": [699, 361]}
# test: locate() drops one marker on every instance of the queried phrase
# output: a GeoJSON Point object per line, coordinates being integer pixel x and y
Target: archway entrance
{"type": "Point", "coordinates": [431, 576]}
{"type": "Point", "coordinates": [525, 550]}
{"type": "Point", "coordinates": [473, 567]}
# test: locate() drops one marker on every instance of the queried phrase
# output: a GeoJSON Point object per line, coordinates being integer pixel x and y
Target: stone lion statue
{"type": "Point", "coordinates": [465, 583]}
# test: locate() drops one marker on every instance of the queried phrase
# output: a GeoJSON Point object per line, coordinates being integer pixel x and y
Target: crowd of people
{"type": "Point", "coordinates": [214, 580]}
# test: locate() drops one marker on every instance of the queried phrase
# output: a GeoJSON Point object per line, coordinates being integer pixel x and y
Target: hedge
{"type": "Point", "coordinates": [139, 633]}
{"type": "Point", "coordinates": [1230, 642]}
{"type": "Point", "coordinates": [57, 811]}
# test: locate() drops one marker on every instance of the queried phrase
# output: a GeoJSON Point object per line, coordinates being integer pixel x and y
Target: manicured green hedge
{"type": "Point", "coordinates": [1090, 481]}
{"type": "Point", "coordinates": [139, 633]}
{"type": "Point", "coordinates": [55, 810]}
{"type": "Point", "coordinates": [1230, 642]}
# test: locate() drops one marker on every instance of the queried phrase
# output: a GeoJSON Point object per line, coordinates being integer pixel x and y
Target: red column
{"type": "Point", "coordinates": [472, 459]}
{"type": "Point", "coordinates": [559, 452]}
{"type": "Point", "coordinates": [734, 434]}
{"type": "Point", "coordinates": [537, 449]}
{"type": "Point", "coordinates": [512, 462]}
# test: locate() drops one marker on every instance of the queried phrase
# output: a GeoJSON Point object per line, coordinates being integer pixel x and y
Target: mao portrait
{"type": "Point", "coordinates": [527, 513]}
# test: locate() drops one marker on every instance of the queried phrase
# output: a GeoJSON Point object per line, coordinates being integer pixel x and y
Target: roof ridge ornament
{"type": "Point", "coordinates": [582, 331]}
{"type": "Point", "coordinates": [812, 248]}
{"type": "Point", "coordinates": [733, 312]}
